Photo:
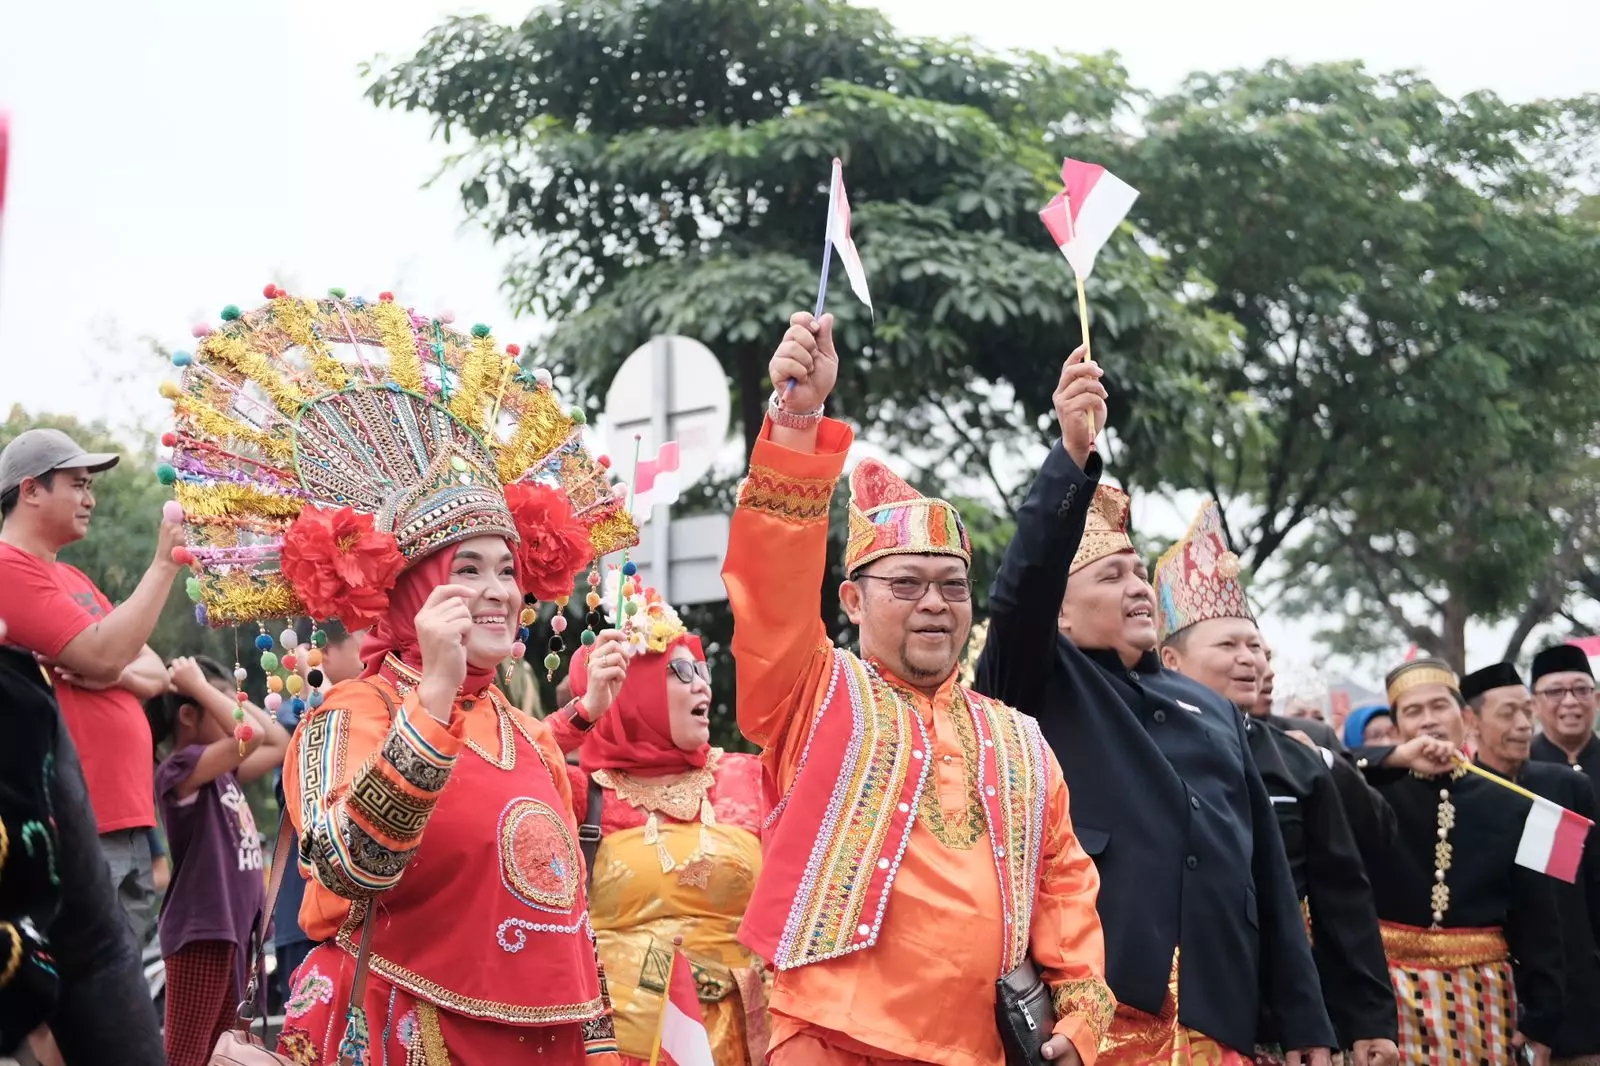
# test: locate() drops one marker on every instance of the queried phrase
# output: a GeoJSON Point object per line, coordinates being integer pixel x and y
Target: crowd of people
{"type": "Point", "coordinates": [1092, 843]}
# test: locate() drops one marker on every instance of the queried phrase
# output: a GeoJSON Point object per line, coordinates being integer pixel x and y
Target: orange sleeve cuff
{"type": "Point", "coordinates": [833, 443]}
{"type": "Point", "coordinates": [419, 725]}
{"type": "Point", "coordinates": [1076, 1029]}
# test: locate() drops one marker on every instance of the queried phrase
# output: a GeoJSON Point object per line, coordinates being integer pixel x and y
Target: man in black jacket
{"type": "Point", "coordinates": [1473, 938]}
{"type": "Point", "coordinates": [1195, 888]}
{"type": "Point", "coordinates": [1208, 632]}
{"type": "Point", "coordinates": [1499, 717]}
{"type": "Point", "coordinates": [1564, 702]}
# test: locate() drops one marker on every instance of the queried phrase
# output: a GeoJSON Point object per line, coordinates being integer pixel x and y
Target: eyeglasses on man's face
{"type": "Point", "coordinates": [686, 670]}
{"type": "Point", "coordinates": [1558, 693]}
{"type": "Point", "coordinates": [954, 590]}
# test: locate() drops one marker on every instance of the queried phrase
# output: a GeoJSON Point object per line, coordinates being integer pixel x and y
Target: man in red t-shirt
{"type": "Point", "coordinates": [96, 654]}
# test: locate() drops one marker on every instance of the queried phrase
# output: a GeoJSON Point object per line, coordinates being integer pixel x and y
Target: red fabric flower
{"type": "Point", "coordinates": [340, 566]}
{"type": "Point", "coordinates": [555, 545]}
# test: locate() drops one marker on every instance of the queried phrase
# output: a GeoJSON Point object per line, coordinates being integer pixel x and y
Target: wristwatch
{"type": "Point", "coordinates": [790, 419]}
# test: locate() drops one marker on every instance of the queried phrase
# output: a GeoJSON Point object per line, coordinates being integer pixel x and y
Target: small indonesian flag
{"type": "Point", "coordinates": [1552, 840]}
{"type": "Point", "coordinates": [655, 480]}
{"type": "Point", "coordinates": [683, 1039]}
{"type": "Point", "coordinates": [1087, 213]}
{"type": "Point", "coordinates": [1590, 646]}
{"type": "Point", "coordinates": [839, 237]}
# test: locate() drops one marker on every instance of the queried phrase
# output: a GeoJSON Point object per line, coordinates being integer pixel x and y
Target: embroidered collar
{"type": "Point", "coordinates": [675, 795]}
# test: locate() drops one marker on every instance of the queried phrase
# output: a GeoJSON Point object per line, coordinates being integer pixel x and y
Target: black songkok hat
{"type": "Point", "coordinates": [1500, 675]}
{"type": "Point", "coordinates": [1559, 659]}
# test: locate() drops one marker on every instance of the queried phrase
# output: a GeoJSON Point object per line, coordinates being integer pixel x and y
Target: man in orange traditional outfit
{"type": "Point", "coordinates": [920, 846]}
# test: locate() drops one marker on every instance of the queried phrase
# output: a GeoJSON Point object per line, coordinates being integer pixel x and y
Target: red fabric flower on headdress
{"type": "Point", "coordinates": [555, 545]}
{"type": "Point", "coordinates": [340, 565]}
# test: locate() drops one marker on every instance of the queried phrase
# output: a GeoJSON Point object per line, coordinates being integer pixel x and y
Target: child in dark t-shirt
{"type": "Point", "coordinates": [218, 889]}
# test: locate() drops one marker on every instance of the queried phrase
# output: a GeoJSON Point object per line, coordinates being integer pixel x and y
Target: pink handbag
{"type": "Point", "coordinates": [239, 1046]}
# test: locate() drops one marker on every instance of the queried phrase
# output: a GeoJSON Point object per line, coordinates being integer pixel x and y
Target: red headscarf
{"type": "Point", "coordinates": [635, 734]}
{"type": "Point", "coordinates": [396, 631]}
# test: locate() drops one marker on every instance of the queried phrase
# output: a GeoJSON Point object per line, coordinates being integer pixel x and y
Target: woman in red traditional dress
{"type": "Point", "coordinates": [679, 847]}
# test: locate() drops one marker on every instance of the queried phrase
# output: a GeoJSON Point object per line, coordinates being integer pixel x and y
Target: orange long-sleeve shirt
{"type": "Point", "coordinates": [926, 990]}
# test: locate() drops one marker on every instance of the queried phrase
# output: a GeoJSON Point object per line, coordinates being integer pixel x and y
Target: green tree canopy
{"type": "Point", "coordinates": [1419, 332]}
{"type": "Point", "coordinates": [661, 167]}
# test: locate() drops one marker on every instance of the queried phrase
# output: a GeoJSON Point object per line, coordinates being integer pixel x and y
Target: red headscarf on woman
{"type": "Point", "coordinates": [635, 734]}
{"type": "Point", "coordinates": [396, 631]}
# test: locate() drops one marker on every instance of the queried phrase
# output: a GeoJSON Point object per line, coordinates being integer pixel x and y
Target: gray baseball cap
{"type": "Point", "coordinates": [38, 451]}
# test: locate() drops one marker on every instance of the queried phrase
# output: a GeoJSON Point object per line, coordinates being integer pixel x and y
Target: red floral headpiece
{"type": "Point", "coordinates": [555, 546]}
{"type": "Point", "coordinates": [340, 565]}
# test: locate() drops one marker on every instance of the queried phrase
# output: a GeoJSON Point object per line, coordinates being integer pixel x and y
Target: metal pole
{"type": "Point", "coordinates": [661, 430]}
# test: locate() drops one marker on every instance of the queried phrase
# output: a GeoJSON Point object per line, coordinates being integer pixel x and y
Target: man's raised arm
{"type": "Point", "coordinates": [1026, 598]}
{"type": "Point", "coordinates": [778, 543]}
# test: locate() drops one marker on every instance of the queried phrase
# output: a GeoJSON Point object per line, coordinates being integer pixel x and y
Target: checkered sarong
{"type": "Point", "coordinates": [1454, 992]}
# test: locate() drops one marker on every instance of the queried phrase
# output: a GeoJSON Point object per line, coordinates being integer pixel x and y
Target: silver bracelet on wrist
{"type": "Point", "coordinates": [791, 419]}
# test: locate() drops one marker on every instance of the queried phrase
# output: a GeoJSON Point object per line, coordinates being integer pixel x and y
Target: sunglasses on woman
{"type": "Point", "coordinates": [686, 670]}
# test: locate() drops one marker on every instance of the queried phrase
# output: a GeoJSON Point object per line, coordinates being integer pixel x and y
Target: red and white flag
{"type": "Point", "coordinates": [838, 237]}
{"type": "Point", "coordinates": [655, 480]}
{"type": "Point", "coordinates": [1590, 646]}
{"type": "Point", "coordinates": [682, 1038]}
{"type": "Point", "coordinates": [1084, 216]}
{"type": "Point", "coordinates": [1552, 840]}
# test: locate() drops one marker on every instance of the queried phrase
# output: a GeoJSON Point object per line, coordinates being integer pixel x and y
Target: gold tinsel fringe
{"type": "Point", "coordinates": [477, 376]}
{"type": "Point", "coordinates": [295, 318]}
{"type": "Point", "coordinates": [234, 599]}
{"type": "Point", "coordinates": [220, 427]}
{"type": "Point", "coordinates": [231, 349]}
{"type": "Point", "coordinates": [614, 533]}
{"type": "Point", "coordinates": [226, 500]}
{"type": "Point", "coordinates": [544, 427]}
{"type": "Point", "coordinates": [394, 330]}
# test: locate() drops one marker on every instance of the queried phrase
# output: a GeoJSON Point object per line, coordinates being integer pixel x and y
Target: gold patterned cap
{"type": "Point", "coordinates": [889, 517]}
{"type": "Point", "coordinates": [1417, 673]}
{"type": "Point", "coordinates": [1197, 579]}
{"type": "Point", "coordinates": [1106, 531]}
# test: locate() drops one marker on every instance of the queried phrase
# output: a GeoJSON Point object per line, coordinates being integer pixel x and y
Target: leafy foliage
{"type": "Point", "coordinates": [1420, 336]}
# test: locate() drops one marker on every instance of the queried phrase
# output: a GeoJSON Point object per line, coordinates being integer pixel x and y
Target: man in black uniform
{"type": "Point", "coordinates": [1463, 925]}
{"type": "Point", "coordinates": [1208, 633]}
{"type": "Point", "coordinates": [1196, 898]}
{"type": "Point", "coordinates": [1500, 718]}
{"type": "Point", "coordinates": [1564, 702]}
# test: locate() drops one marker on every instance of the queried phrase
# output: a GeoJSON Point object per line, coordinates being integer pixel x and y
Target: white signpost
{"type": "Point", "coordinates": [673, 388]}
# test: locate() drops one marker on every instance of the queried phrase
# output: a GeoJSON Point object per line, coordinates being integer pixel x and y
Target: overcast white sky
{"type": "Point", "coordinates": [172, 156]}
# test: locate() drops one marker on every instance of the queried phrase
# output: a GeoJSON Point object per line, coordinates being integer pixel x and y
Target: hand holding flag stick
{"type": "Point", "coordinates": [1081, 218]}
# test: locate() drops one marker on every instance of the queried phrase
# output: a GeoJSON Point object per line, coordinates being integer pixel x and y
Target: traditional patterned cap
{"type": "Point", "coordinates": [1419, 672]}
{"type": "Point", "coordinates": [1198, 577]}
{"type": "Point", "coordinates": [1500, 675]}
{"type": "Point", "coordinates": [1106, 531]}
{"type": "Point", "coordinates": [889, 517]}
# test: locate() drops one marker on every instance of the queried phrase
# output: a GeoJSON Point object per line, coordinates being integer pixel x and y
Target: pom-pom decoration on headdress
{"type": "Point", "coordinates": [323, 445]}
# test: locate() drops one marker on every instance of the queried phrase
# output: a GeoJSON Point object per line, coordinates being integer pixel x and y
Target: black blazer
{"type": "Point", "coordinates": [1165, 797]}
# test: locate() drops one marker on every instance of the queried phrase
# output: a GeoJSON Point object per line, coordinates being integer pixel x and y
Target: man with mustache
{"type": "Point", "coordinates": [1473, 939]}
{"type": "Point", "coordinates": [920, 846]}
{"type": "Point", "coordinates": [1499, 718]}
{"type": "Point", "coordinates": [1208, 633]}
{"type": "Point", "coordinates": [1200, 916]}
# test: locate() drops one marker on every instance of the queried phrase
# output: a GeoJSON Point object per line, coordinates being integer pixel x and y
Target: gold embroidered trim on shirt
{"type": "Point", "coordinates": [1089, 999]}
{"type": "Point", "coordinates": [791, 499]}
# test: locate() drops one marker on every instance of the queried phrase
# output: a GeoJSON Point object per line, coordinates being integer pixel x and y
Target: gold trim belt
{"type": "Point", "coordinates": [1442, 949]}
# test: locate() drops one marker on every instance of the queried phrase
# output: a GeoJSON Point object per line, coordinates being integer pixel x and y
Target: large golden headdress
{"type": "Point", "coordinates": [323, 445]}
